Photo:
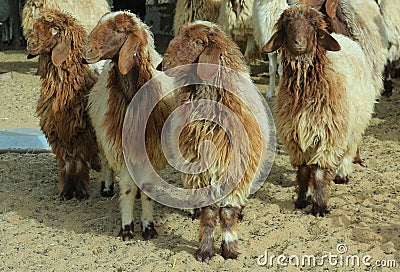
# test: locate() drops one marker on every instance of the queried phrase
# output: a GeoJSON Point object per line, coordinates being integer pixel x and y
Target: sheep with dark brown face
{"type": "Point", "coordinates": [58, 40]}
{"type": "Point", "coordinates": [125, 40]}
{"type": "Point", "coordinates": [324, 104]}
{"type": "Point", "coordinates": [203, 44]}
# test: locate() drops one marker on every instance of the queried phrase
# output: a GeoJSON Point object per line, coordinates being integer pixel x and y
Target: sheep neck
{"type": "Point", "coordinates": [122, 88]}
{"type": "Point", "coordinates": [305, 79]}
{"type": "Point", "coordinates": [65, 84]}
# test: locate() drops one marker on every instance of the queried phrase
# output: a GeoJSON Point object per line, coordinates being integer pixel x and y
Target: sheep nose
{"type": "Point", "coordinates": [300, 43]}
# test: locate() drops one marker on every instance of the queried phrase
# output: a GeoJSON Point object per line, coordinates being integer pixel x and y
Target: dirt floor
{"type": "Point", "coordinates": [39, 232]}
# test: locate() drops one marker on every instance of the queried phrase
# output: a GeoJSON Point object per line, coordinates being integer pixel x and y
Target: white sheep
{"type": "Point", "coordinates": [235, 19]}
{"type": "Point", "coordinates": [189, 11]}
{"type": "Point", "coordinates": [87, 12]}
{"type": "Point", "coordinates": [324, 104]}
{"type": "Point", "coordinates": [390, 10]}
{"type": "Point", "coordinates": [123, 38]}
{"type": "Point", "coordinates": [265, 15]}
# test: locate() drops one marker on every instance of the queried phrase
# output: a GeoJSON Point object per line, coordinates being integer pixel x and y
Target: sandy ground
{"type": "Point", "coordinates": [39, 232]}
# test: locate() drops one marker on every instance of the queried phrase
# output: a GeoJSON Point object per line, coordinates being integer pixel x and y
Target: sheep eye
{"type": "Point", "coordinates": [198, 42]}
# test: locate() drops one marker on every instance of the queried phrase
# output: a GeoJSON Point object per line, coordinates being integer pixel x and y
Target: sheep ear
{"type": "Point", "coordinates": [327, 41]}
{"type": "Point", "coordinates": [60, 52]}
{"type": "Point", "coordinates": [331, 6]}
{"type": "Point", "coordinates": [127, 54]}
{"type": "Point", "coordinates": [274, 43]}
{"type": "Point", "coordinates": [210, 55]}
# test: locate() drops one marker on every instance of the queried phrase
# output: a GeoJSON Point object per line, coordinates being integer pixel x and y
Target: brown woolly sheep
{"type": "Point", "coordinates": [324, 104]}
{"type": "Point", "coordinates": [124, 39]}
{"type": "Point", "coordinates": [58, 40]}
{"type": "Point", "coordinates": [205, 42]}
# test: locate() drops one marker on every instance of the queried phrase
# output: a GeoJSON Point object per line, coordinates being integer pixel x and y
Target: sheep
{"type": "Point", "coordinates": [235, 18]}
{"type": "Point", "coordinates": [87, 12]}
{"type": "Point", "coordinates": [192, 10]}
{"type": "Point", "coordinates": [362, 22]}
{"type": "Point", "coordinates": [206, 43]}
{"type": "Point", "coordinates": [125, 40]}
{"type": "Point", "coordinates": [324, 104]}
{"type": "Point", "coordinates": [58, 40]}
{"type": "Point", "coordinates": [265, 14]}
{"type": "Point", "coordinates": [390, 10]}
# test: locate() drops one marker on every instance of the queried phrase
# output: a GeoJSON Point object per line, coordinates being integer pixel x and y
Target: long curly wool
{"type": "Point", "coordinates": [87, 12]}
{"type": "Point", "coordinates": [191, 10]}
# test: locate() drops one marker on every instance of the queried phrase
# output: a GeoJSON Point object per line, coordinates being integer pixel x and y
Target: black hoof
{"type": "Point", "coordinates": [319, 211]}
{"type": "Point", "coordinates": [74, 188]}
{"type": "Point", "coordinates": [341, 180]}
{"type": "Point", "coordinates": [204, 256]}
{"type": "Point", "coordinates": [126, 233]}
{"type": "Point", "coordinates": [228, 250]}
{"type": "Point", "coordinates": [149, 232]}
{"type": "Point", "coordinates": [107, 192]}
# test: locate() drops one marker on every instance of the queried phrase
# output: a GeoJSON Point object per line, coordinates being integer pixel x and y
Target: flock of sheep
{"type": "Point", "coordinates": [332, 55]}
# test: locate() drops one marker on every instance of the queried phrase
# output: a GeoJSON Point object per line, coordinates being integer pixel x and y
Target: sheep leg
{"type": "Point", "coordinates": [229, 217]}
{"type": "Point", "coordinates": [387, 80]}
{"type": "Point", "coordinates": [107, 185]}
{"type": "Point", "coordinates": [208, 221]}
{"type": "Point", "coordinates": [74, 179]}
{"type": "Point", "coordinates": [303, 189]}
{"type": "Point", "coordinates": [272, 60]}
{"type": "Point", "coordinates": [148, 230]}
{"type": "Point", "coordinates": [320, 178]}
{"type": "Point", "coordinates": [128, 191]}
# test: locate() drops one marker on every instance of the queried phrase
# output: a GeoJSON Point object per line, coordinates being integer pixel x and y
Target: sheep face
{"type": "Point", "coordinates": [117, 36]}
{"type": "Point", "coordinates": [199, 42]}
{"type": "Point", "coordinates": [299, 30]}
{"type": "Point", "coordinates": [42, 39]}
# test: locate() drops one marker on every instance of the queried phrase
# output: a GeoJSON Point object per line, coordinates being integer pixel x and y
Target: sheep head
{"type": "Point", "coordinates": [47, 38]}
{"type": "Point", "coordinates": [118, 36]}
{"type": "Point", "coordinates": [198, 42]}
{"type": "Point", "coordinates": [299, 30]}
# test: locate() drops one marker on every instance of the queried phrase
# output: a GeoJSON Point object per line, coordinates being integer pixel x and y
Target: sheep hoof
{"type": "Point", "coordinates": [126, 233]}
{"type": "Point", "coordinates": [196, 214]}
{"type": "Point", "coordinates": [204, 255]}
{"type": "Point", "coordinates": [107, 192]}
{"type": "Point", "coordinates": [388, 88]}
{"type": "Point", "coordinates": [301, 204]}
{"type": "Point", "coordinates": [228, 250]}
{"type": "Point", "coordinates": [149, 232]}
{"type": "Point", "coordinates": [73, 188]}
{"type": "Point", "coordinates": [319, 211]}
{"type": "Point", "coordinates": [341, 180]}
